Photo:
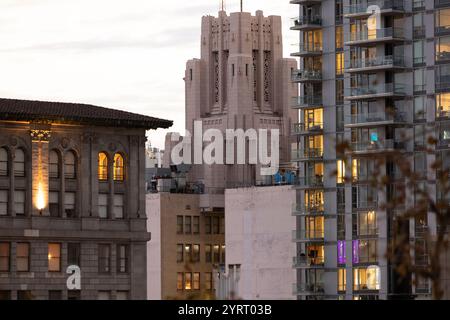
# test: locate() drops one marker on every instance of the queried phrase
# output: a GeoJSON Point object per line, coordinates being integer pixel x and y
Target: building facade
{"type": "Point", "coordinates": [72, 197]}
{"type": "Point", "coordinates": [371, 73]}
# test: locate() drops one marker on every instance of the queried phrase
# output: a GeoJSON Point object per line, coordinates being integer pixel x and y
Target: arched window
{"type": "Point", "coordinates": [53, 169]}
{"type": "Point", "coordinates": [118, 167]}
{"type": "Point", "coordinates": [3, 162]}
{"type": "Point", "coordinates": [19, 163]}
{"type": "Point", "coordinates": [69, 165]}
{"type": "Point", "coordinates": [102, 166]}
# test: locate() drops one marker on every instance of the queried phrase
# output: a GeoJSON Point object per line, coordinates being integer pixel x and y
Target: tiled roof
{"type": "Point", "coordinates": [59, 112]}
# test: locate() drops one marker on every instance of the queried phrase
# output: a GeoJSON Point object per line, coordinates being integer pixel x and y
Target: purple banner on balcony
{"type": "Point", "coordinates": [355, 251]}
{"type": "Point", "coordinates": [341, 252]}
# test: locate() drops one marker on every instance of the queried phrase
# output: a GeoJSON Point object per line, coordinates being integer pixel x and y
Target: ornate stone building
{"type": "Point", "coordinates": [72, 192]}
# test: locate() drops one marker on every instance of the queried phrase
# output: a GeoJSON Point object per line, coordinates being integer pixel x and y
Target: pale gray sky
{"type": "Point", "coordinates": [124, 54]}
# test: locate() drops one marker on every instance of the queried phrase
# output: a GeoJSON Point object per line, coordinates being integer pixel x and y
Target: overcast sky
{"type": "Point", "coordinates": [123, 54]}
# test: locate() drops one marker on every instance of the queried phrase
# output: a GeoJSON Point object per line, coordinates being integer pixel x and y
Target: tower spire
{"type": "Point", "coordinates": [242, 5]}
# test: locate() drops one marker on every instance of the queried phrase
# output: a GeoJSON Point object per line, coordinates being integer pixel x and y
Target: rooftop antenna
{"type": "Point", "coordinates": [242, 5]}
{"type": "Point", "coordinates": [223, 5]}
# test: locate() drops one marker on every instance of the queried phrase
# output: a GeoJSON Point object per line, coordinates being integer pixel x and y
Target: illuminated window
{"type": "Point", "coordinates": [365, 223]}
{"type": "Point", "coordinates": [342, 280]}
{"type": "Point", "coordinates": [180, 281]}
{"type": "Point", "coordinates": [54, 257]}
{"type": "Point", "coordinates": [443, 104]}
{"type": "Point", "coordinates": [196, 281]}
{"type": "Point", "coordinates": [314, 227]}
{"type": "Point", "coordinates": [340, 177]}
{"type": "Point", "coordinates": [3, 162]}
{"type": "Point", "coordinates": [19, 163]}
{"type": "Point", "coordinates": [119, 167]}
{"type": "Point", "coordinates": [339, 63]}
{"type": "Point", "coordinates": [5, 252]}
{"type": "Point", "coordinates": [315, 254]}
{"type": "Point", "coordinates": [366, 278]}
{"type": "Point", "coordinates": [69, 165]}
{"type": "Point", "coordinates": [314, 200]}
{"type": "Point", "coordinates": [188, 252]}
{"type": "Point", "coordinates": [339, 37]}
{"type": "Point", "coordinates": [188, 281]}
{"type": "Point", "coordinates": [3, 202]}
{"type": "Point", "coordinates": [23, 257]}
{"type": "Point", "coordinates": [196, 253]}
{"type": "Point", "coordinates": [102, 166]}
{"type": "Point", "coordinates": [442, 20]}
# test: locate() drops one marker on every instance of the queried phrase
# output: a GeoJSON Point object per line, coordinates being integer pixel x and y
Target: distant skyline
{"type": "Point", "coordinates": [127, 55]}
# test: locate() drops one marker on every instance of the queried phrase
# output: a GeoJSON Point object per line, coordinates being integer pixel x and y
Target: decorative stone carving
{"type": "Point", "coordinates": [40, 135]}
{"type": "Point", "coordinates": [13, 141]}
{"type": "Point", "coordinates": [65, 142]}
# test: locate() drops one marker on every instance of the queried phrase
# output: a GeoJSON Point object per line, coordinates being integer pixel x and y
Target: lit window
{"type": "Point", "coordinates": [118, 206]}
{"type": "Point", "coordinates": [188, 252]}
{"type": "Point", "coordinates": [54, 257]}
{"type": "Point", "coordinates": [103, 206]}
{"type": "Point", "coordinates": [19, 202]}
{"type": "Point", "coordinates": [196, 253]}
{"type": "Point", "coordinates": [180, 281]}
{"type": "Point", "coordinates": [53, 168]}
{"type": "Point", "coordinates": [3, 202]}
{"type": "Point", "coordinates": [19, 163]}
{"type": "Point", "coordinates": [102, 166]}
{"type": "Point", "coordinates": [340, 172]}
{"type": "Point", "coordinates": [366, 278]}
{"type": "Point", "coordinates": [118, 167]}
{"type": "Point", "coordinates": [3, 162]}
{"type": "Point", "coordinates": [342, 280]}
{"type": "Point", "coordinates": [23, 257]}
{"type": "Point", "coordinates": [69, 165]}
{"type": "Point", "coordinates": [188, 281]}
{"type": "Point", "coordinates": [443, 105]}
{"type": "Point", "coordinates": [339, 63]}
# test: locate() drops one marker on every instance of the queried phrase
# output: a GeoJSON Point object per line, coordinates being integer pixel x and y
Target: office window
{"type": "Point", "coordinates": [73, 254]}
{"type": "Point", "coordinates": [208, 253]}
{"type": "Point", "coordinates": [180, 224]}
{"type": "Point", "coordinates": [104, 295]}
{"type": "Point", "coordinates": [74, 295]}
{"type": "Point", "coordinates": [188, 281]}
{"type": "Point", "coordinates": [196, 281]}
{"type": "Point", "coordinates": [3, 162]}
{"type": "Point", "coordinates": [208, 281]}
{"type": "Point", "coordinates": [69, 204]}
{"type": "Point", "coordinates": [216, 253]}
{"type": "Point", "coordinates": [180, 252]}
{"type": "Point", "coordinates": [208, 227]}
{"type": "Point", "coordinates": [188, 252]}
{"type": "Point", "coordinates": [119, 167]}
{"type": "Point", "coordinates": [19, 163]}
{"type": "Point", "coordinates": [123, 252]}
{"type": "Point", "coordinates": [122, 295]}
{"type": "Point", "coordinates": [215, 225]}
{"type": "Point", "coordinates": [196, 253]}
{"type": "Point", "coordinates": [53, 204]}
{"type": "Point", "coordinates": [23, 257]}
{"type": "Point", "coordinates": [5, 256]}
{"type": "Point", "coordinates": [102, 166]}
{"type": "Point", "coordinates": [222, 225]}
{"type": "Point", "coordinates": [54, 257]}
{"type": "Point", "coordinates": [103, 206]}
{"type": "Point", "coordinates": [339, 63]}
{"type": "Point", "coordinates": [19, 202]}
{"type": "Point", "coordinates": [187, 224]}
{"type": "Point", "coordinates": [104, 258]}
{"type": "Point", "coordinates": [55, 295]}
{"type": "Point", "coordinates": [180, 281]}
{"type": "Point", "coordinates": [222, 254]}
{"type": "Point", "coordinates": [342, 279]}
{"type": "Point", "coordinates": [70, 165]}
{"type": "Point", "coordinates": [3, 202]}
{"type": "Point", "coordinates": [196, 224]}
{"type": "Point", "coordinates": [118, 206]}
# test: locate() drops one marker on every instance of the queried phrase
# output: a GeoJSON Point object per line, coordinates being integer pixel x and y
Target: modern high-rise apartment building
{"type": "Point", "coordinates": [370, 72]}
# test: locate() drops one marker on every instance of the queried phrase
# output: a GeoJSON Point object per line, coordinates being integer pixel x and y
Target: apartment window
{"type": "Point", "coordinates": [53, 204]}
{"type": "Point", "coordinates": [187, 224]}
{"type": "Point", "coordinates": [208, 253]}
{"type": "Point", "coordinates": [222, 253]}
{"type": "Point", "coordinates": [102, 166]}
{"type": "Point", "coordinates": [19, 163]}
{"type": "Point", "coordinates": [208, 226]}
{"type": "Point", "coordinates": [419, 79]}
{"type": "Point", "coordinates": [339, 11]}
{"type": "Point", "coordinates": [23, 257]}
{"type": "Point", "coordinates": [188, 281]}
{"type": "Point", "coordinates": [340, 195]}
{"type": "Point", "coordinates": [179, 224]}
{"type": "Point", "coordinates": [342, 279]}
{"type": "Point", "coordinates": [339, 38]}
{"type": "Point", "coordinates": [104, 258]}
{"type": "Point", "coordinates": [19, 202]}
{"type": "Point", "coordinates": [73, 254]}
{"type": "Point", "coordinates": [24, 295]}
{"type": "Point", "coordinates": [123, 252]}
{"type": "Point", "coordinates": [419, 135]}
{"type": "Point", "coordinates": [119, 167]}
{"type": "Point", "coordinates": [196, 253]}
{"type": "Point", "coordinates": [339, 64]}
{"type": "Point", "coordinates": [103, 206]}
{"type": "Point", "coordinates": [340, 175]}
{"type": "Point", "coordinates": [443, 48]}
{"type": "Point", "coordinates": [69, 204]}
{"type": "Point", "coordinates": [122, 295]}
{"type": "Point", "coordinates": [54, 295]}
{"type": "Point", "coordinates": [443, 105]}
{"type": "Point", "coordinates": [442, 20]}
{"type": "Point", "coordinates": [180, 251]}
{"type": "Point", "coordinates": [366, 278]}
{"type": "Point", "coordinates": [196, 281]}
{"type": "Point", "coordinates": [5, 295]}
{"type": "Point", "coordinates": [419, 108]}
{"type": "Point", "coordinates": [419, 52]}
{"type": "Point", "coordinates": [188, 252]}
{"type": "Point", "coordinates": [216, 253]}
{"type": "Point", "coordinates": [222, 225]}
{"type": "Point", "coordinates": [3, 162]}
{"type": "Point", "coordinates": [208, 281]}
{"type": "Point", "coordinates": [5, 256]}
{"type": "Point", "coordinates": [366, 251]}
{"type": "Point", "coordinates": [118, 206]}
{"type": "Point", "coordinates": [196, 224]}
{"type": "Point", "coordinates": [215, 225]}
{"type": "Point", "coordinates": [3, 202]}
{"type": "Point", "coordinates": [69, 165]}
{"type": "Point", "coordinates": [340, 122]}
{"type": "Point", "coordinates": [420, 163]}
{"type": "Point", "coordinates": [54, 257]}
{"type": "Point", "coordinates": [104, 295]}
{"type": "Point", "coordinates": [180, 281]}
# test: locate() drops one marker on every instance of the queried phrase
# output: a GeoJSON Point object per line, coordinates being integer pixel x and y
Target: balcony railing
{"type": "Point", "coordinates": [399, 117]}
{"type": "Point", "coordinates": [311, 209]}
{"type": "Point", "coordinates": [366, 204]}
{"type": "Point", "coordinates": [377, 35]}
{"type": "Point", "coordinates": [304, 261]}
{"type": "Point", "coordinates": [384, 5]}
{"type": "Point", "coordinates": [304, 128]}
{"type": "Point", "coordinates": [306, 75]}
{"type": "Point", "coordinates": [384, 89]}
{"type": "Point", "coordinates": [308, 235]}
{"type": "Point", "coordinates": [311, 182]}
{"type": "Point", "coordinates": [307, 154]}
{"type": "Point", "coordinates": [307, 101]}
{"type": "Point", "coordinates": [307, 22]}
{"type": "Point", "coordinates": [438, 3]}
{"type": "Point", "coordinates": [306, 49]}
{"type": "Point", "coordinates": [380, 146]}
{"type": "Point", "coordinates": [443, 114]}
{"type": "Point", "coordinates": [309, 288]}
{"type": "Point", "coordinates": [377, 62]}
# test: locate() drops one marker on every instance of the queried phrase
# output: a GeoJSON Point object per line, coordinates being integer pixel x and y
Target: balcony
{"type": "Point", "coordinates": [387, 90]}
{"type": "Point", "coordinates": [313, 235]}
{"type": "Point", "coordinates": [302, 76]}
{"type": "Point", "coordinates": [308, 50]}
{"type": "Point", "coordinates": [312, 128]}
{"type": "Point", "coordinates": [309, 182]}
{"type": "Point", "coordinates": [308, 102]}
{"type": "Point", "coordinates": [372, 147]}
{"type": "Point", "coordinates": [377, 119]}
{"type": "Point", "coordinates": [307, 262]}
{"type": "Point", "coordinates": [387, 7]}
{"type": "Point", "coordinates": [307, 154]}
{"type": "Point", "coordinates": [376, 64]}
{"type": "Point", "coordinates": [310, 210]}
{"type": "Point", "coordinates": [366, 204]}
{"type": "Point", "coordinates": [308, 289]}
{"type": "Point", "coordinates": [443, 114]}
{"type": "Point", "coordinates": [371, 37]}
{"type": "Point", "coordinates": [307, 23]}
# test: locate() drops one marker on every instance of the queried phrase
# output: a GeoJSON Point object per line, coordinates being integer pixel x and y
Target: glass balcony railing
{"type": "Point", "coordinates": [304, 128]}
{"type": "Point", "coordinates": [307, 22]}
{"type": "Point", "coordinates": [376, 35]}
{"type": "Point", "coordinates": [384, 5]}
{"type": "Point", "coordinates": [308, 235]}
{"type": "Point", "coordinates": [306, 75]}
{"type": "Point", "coordinates": [378, 146]}
{"type": "Point", "coordinates": [304, 261]}
{"type": "Point", "coordinates": [307, 101]}
{"type": "Point", "coordinates": [305, 49]}
{"type": "Point", "coordinates": [311, 209]}
{"type": "Point", "coordinates": [309, 288]}
{"type": "Point", "coordinates": [377, 62]}
{"type": "Point", "coordinates": [307, 154]}
{"type": "Point", "coordinates": [383, 89]}
{"type": "Point", "coordinates": [399, 117]}
{"type": "Point", "coordinates": [314, 181]}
